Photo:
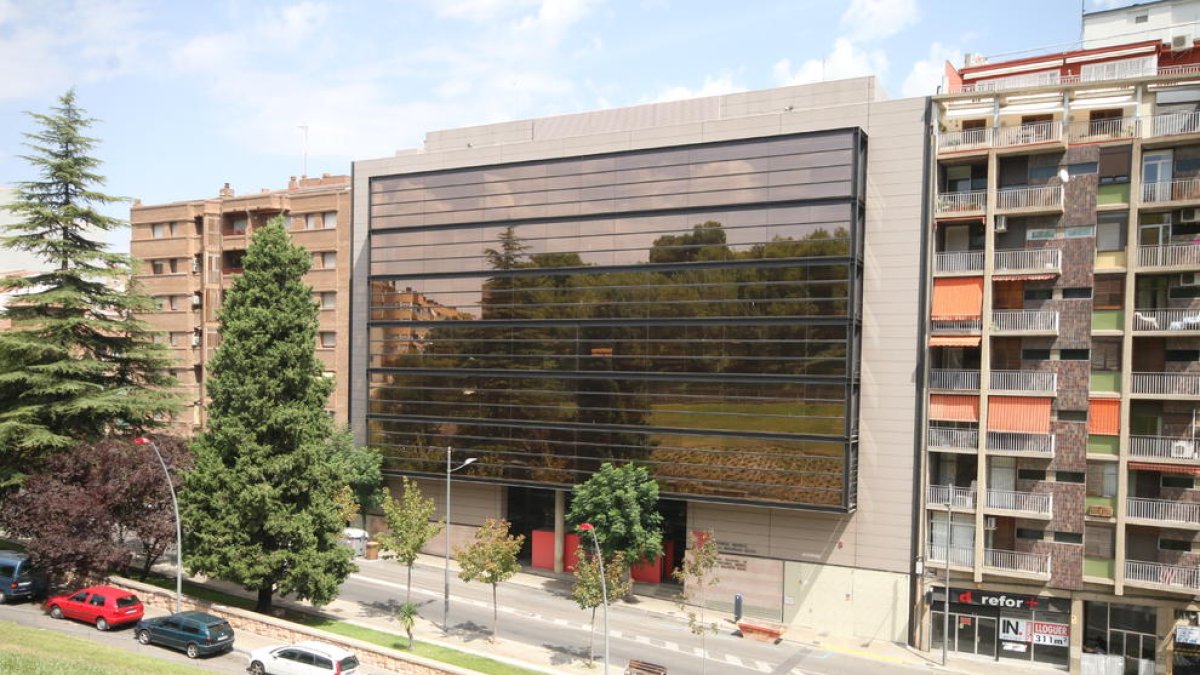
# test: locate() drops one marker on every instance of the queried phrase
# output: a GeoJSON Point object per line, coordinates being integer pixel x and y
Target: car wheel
{"type": "Point", "coordinates": [192, 650]}
{"type": "Point", "coordinates": [257, 668]}
{"type": "Point", "coordinates": [55, 612]}
{"type": "Point", "coordinates": [143, 636]}
{"type": "Point", "coordinates": [101, 624]}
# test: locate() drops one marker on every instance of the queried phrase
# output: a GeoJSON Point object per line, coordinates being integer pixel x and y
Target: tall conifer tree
{"type": "Point", "coordinates": [76, 365]}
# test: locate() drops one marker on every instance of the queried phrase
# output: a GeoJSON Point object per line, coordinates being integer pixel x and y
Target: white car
{"type": "Point", "coordinates": [303, 658]}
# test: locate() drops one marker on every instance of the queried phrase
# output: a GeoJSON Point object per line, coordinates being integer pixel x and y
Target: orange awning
{"type": "Point", "coordinates": [1029, 414]}
{"type": "Point", "coordinates": [1165, 468]}
{"type": "Point", "coordinates": [954, 408]}
{"type": "Point", "coordinates": [1104, 416]}
{"type": "Point", "coordinates": [1023, 277]}
{"type": "Point", "coordinates": [958, 298]}
{"type": "Point", "coordinates": [955, 341]}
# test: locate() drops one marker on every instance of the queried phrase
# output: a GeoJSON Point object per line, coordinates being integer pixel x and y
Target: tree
{"type": "Point", "coordinates": [697, 575]}
{"type": "Point", "coordinates": [360, 469]}
{"type": "Point", "coordinates": [588, 592]}
{"type": "Point", "coordinates": [490, 558]}
{"type": "Point", "coordinates": [410, 526]}
{"type": "Point", "coordinates": [76, 364]}
{"type": "Point", "coordinates": [622, 504]}
{"type": "Point", "coordinates": [261, 503]}
{"type": "Point", "coordinates": [79, 511]}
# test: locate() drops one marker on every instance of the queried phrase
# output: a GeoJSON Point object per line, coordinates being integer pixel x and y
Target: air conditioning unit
{"type": "Point", "coordinates": [1100, 511]}
{"type": "Point", "coordinates": [1189, 279]}
{"type": "Point", "coordinates": [1183, 450]}
{"type": "Point", "coordinates": [195, 301]}
{"type": "Point", "coordinates": [195, 340]}
{"type": "Point", "coordinates": [1181, 43]}
{"type": "Point", "coordinates": [1001, 223]}
{"type": "Point", "coordinates": [989, 523]}
{"type": "Point", "coordinates": [1191, 215]}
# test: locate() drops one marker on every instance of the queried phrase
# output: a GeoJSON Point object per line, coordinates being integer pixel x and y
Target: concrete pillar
{"type": "Point", "coordinates": [1077, 628]}
{"type": "Point", "coordinates": [560, 512]}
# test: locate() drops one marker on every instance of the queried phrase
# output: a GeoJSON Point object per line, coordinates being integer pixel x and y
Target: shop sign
{"type": "Point", "coordinates": [1014, 630]}
{"type": "Point", "coordinates": [992, 599]}
{"type": "Point", "coordinates": [1187, 635]}
{"type": "Point", "coordinates": [1037, 632]}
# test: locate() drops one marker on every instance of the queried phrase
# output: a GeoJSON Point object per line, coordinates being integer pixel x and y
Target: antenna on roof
{"type": "Point", "coordinates": [304, 128]}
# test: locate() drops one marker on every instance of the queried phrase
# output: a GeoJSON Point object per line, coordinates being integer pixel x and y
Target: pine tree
{"type": "Point", "coordinates": [262, 502]}
{"type": "Point", "coordinates": [76, 364]}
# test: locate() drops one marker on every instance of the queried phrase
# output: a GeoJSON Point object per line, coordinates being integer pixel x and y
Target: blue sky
{"type": "Point", "coordinates": [192, 94]}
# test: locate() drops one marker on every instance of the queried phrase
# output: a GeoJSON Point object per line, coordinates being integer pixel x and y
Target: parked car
{"type": "Point", "coordinates": [303, 658]}
{"type": "Point", "coordinates": [104, 606]}
{"type": "Point", "coordinates": [194, 633]}
{"type": "Point", "coordinates": [18, 579]}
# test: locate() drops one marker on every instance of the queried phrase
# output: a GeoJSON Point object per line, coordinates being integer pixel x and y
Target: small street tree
{"type": "Point", "coordinates": [621, 503]}
{"type": "Point", "coordinates": [76, 365]}
{"type": "Point", "coordinates": [410, 526]}
{"type": "Point", "coordinates": [697, 575]}
{"type": "Point", "coordinates": [490, 558]}
{"type": "Point", "coordinates": [588, 592]}
{"type": "Point", "coordinates": [261, 503]}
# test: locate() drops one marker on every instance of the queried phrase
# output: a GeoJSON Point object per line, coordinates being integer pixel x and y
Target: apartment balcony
{"type": "Point", "coordinates": [1165, 449]}
{"type": "Point", "coordinates": [1173, 192]}
{"type": "Point", "coordinates": [1028, 134]}
{"type": "Point", "coordinates": [954, 380]}
{"type": "Point", "coordinates": [1017, 444]}
{"type": "Point", "coordinates": [1162, 512]}
{"type": "Point", "coordinates": [1171, 124]}
{"type": "Point", "coordinates": [1023, 200]}
{"type": "Point", "coordinates": [966, 203]}
{"type": "Point", "coordinates": [1185, 579]}
{"type": "Point", "coordinates": [958, 262]}
{"type": "Point", "coordinates": [938, 496]}
{"type": "Point", "coordinates": [956, 326]}
{"type": "Point", "coordinates": [1166, 320]}
{"type": "Point", "coordinates": [1028, 261]}
{"type": "Point", "coordinates": [1170, 256]}
{"type": "Point", "coordinates": [960, 556]}
{"type": "Point", "coordinates": [944, 439]}
{"type": "Point", "coordinates": [1015, 563]}
{"type": "Point", "coordinates": [1025, 322]}
{"type": "Point", "coordinates": [961, 141]}
{"type": "Point", "coordinates": [1168, 385]}
{"type": "Point", "coordinates": [1023, 381]}
{"type": "Point", "coordinates": [1021, 504]}
{"type": "Point", "coordinates": [1094, 131]}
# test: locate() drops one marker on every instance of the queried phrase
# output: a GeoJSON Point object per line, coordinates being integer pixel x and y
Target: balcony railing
{"type": "Point", "coordinates": [1163, 510]}
{"type": "Point", "coordinates": [956, 326]}
{"type": "Point", "coordinates": [1028, 502]}
{"type": "Point", "coordinates": [1015, 561]}
{"type": "Point", "coordinates": [1185, 578]}
{"type": "Point", "coordinates": [1091, 131]}
{"type": "Point", "coordinates": [1039, 259]}
{"type": "Point", "coordinates": [1027, 134]}
{"type": "Point", "coordinates": [1171, 124]}
{"type": "Point", "coordinates": [1166, 319]}
{"type": "Point", "coordinates": [1167, 384]}
{"type": "Point", "coordinates": [1162, 447]}
{"type": "Point", "coordinates": [1025, 321]}
{"type": "Point", "coordinates": [958, 261]}
{"type": "Point", "coordinates": [960, 556]}
{"type": "Point", "coordinates": [941, 437]}
{"type": "Point", "coordinates": [1169, 256]}
{"type": "Point", "coordinates": [1041, 197]}
{"type": "Point", "coordinates": [960, 380]}
{"type": "Point", "coordinates": [967, 201]}
{"type": "Point", "coordinates": [961, 497]}
{"type": "Point", "coordinates": [1041, 445]}
{"type": "Point", "coordinates": [1056, 79]}
{"type": "Point", "coordinates": [1024, 380]}
{"type": "Point", "coordinates": [970, 139]}
{"type": "Point", "coordinates": [1184, 189]}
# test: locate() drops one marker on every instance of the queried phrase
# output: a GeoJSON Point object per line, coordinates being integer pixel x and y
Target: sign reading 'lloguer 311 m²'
{"type": "Point", "coordinates": [695, 309]}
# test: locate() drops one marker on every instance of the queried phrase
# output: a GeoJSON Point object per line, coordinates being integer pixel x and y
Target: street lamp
{"type": "Point", "coordinates": [142, 440]}
{"type": "Point", "coordinates": [446, 573]}
{"type": "Point", "coordinates": [587, 527]}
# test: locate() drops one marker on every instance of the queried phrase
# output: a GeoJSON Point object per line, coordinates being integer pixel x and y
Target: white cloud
{"type": "Point", "coordinates": [844, 60]}
{"type": "Point", "coordinates": [712, 86]}
{"type": "Point", "coordinates": [476, 10]}
{"type": "Point", "coordinates": [867, 20]}
{"type": "Point", "coordinates": [1100, 5]}
{"type": "Point", "coordinates": [926, 74]}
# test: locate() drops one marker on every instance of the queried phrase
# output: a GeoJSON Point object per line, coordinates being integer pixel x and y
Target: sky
{"type": "Point", "coordinates": [189, 95]}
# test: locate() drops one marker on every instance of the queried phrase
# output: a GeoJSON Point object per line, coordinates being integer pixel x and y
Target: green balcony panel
{"type": "Point", "coordinates": [1105, 381]}
{"type": "Point", "coordinates": [1100, 568]}
{"type": "Point", "coordinates": [1103, 445]}
{"type": "Point", "coordinates": [1112, 194]}
{"type": "Point", "coordinates": [1108, 319]}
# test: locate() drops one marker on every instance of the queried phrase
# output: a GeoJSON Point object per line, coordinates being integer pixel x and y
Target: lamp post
{"type": "Point", "coordinates": [587, 527]}
{"type": "Point", "coordinates": [446, 571]}
{"type": "Point", "coordinates": [142, 440]}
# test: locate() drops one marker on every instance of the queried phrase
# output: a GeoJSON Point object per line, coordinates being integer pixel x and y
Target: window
{"type": "Point", "coordinates": [328, 299]}
{"type": "Point", "coordinates": [1177, 481]}
{"type": "Point", "coordinates": [158, 230]}
{"type": "Point", "coordinates": [331, 220]}
{"type": "Point", "coordinates": [1115, 162]}
{"type": "Point", "coordinates": [1106, 355]}
{"type": "Point", "coordinates": [328, 339]}
{"type": "Point", "coordinates": [1028, 533]}
{"type": "Point", "coordinates": [1072, 416]}
{"type": "Point", "coordinates": [237, 225]}
{"type": "Point", "coordinates": [1035, 354]}
{"type": "Point", "coordinates": [1183, 355]}
{"type": "Point", "coordinates": [1174, 545]}
{"type": "Point", "coordinates": [174, 303]}
{"type": "Point", "coordinates": [1141, 18]}
{"type": "Point", "coordinates": [1042, 172]}
{"type": "Point", "coordinates": [96, 600]}
{"type": "Point", "coordinates": [1108, 293]}
{"type": "Point", "coordinates": [1110, 231]}
{"type": "Point", "coordinates": [1069, 477]}
{"type": "Point", "coordinates": [327, 259]}
{"type": "Point", "coordinates": [1102, 479]}
{"type": "Point", "coordinates": [312, 221]}
{"type": "Point", "coordinates": [323, 663]}
{"type": "Point", "coordinates": [1079, 232]}
{"type": "Point", "coordinates": [158, 266]}
{"type": "Point", "coordinates": [1082, 168]}
{"type": "Point", "coordinates": [1031, 474]}
{"type": "Point", "coordinates": [1068, 537]}
{"type": "Point", "coordinates": [1035, 294]}
{"type": "Point", "coordinates": [1184, 292]}
{"type": "Point", "coordinates": [79, 597]}
{"type": "Point", "coordinates": [1099, 542]}
{"type": "Point", "coordinates": [1079, 293]}
{"type": "Point", "coordinates": [174, 265]}
{"type": "Point", "coordinates": [1074, 355]}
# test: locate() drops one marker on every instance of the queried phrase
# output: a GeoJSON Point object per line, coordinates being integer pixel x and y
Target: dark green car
{"type": "Point", "coordinates": [194, 633]}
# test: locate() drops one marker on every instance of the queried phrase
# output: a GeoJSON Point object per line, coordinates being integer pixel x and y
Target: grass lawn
{"type": "Point", "coordinates": [37, 651]}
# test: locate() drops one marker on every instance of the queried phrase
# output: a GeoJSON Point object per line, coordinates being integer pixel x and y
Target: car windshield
{"type": "Point", "coordinates": [348, 663]}
{"type": "Point", "coordinates": [128, 601]}
{"type": "Point", "coordinates": [219, 629]}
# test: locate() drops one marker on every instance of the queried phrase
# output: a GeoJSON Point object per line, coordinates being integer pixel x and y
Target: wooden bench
{"type": "Point", "coordinates": [636, 667]}
{"type": "Point", "coordinates": [760, 632]}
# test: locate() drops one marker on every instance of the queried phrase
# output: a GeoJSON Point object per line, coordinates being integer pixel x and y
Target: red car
{"type": "Point", "coordinates": [105, 606]}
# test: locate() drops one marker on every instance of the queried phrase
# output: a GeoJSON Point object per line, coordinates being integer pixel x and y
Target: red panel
{"type": "Point", "coordinates": [543, 549]}
{"type": "Point", "coordinates": [570, 544]}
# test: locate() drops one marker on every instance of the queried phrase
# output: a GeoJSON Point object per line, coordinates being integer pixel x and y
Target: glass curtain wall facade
{"type": "Point", "coordinates": [694, 309]}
